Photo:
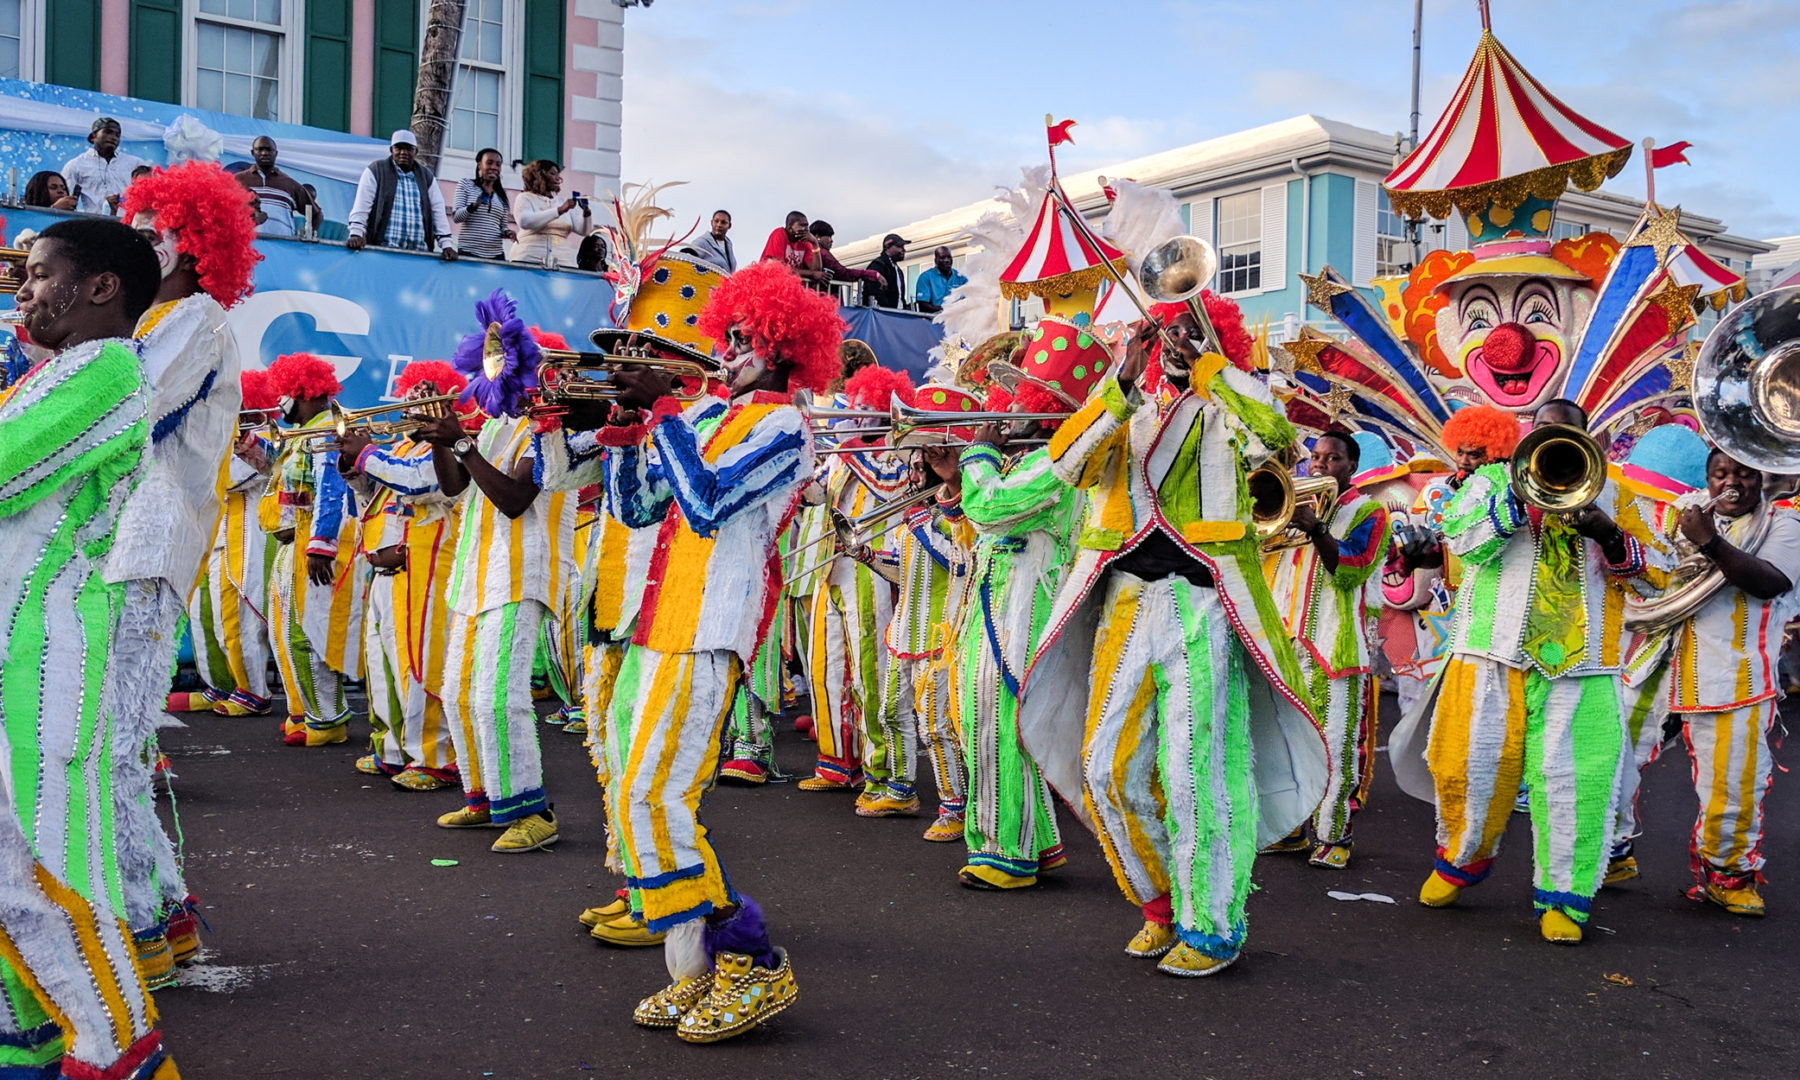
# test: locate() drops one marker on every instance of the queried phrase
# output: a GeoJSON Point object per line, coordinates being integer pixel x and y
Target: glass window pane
{"type": "Point", "coordinates": [487, 129]}
{"type": "Point", "coordinates": [209, 90]}
{"type": "Point", "coordinates": [264, 55]}
{"type": "Point", "coordinates": [490, 42]}
{"type": "Point", "coordinates": [9, 18]}
{"type": "Point", "coordinates": [462, 130]}
{"type": "Point", "coordinates": [237, 94]}
{"type": "Point", "coordinates": [268, 99]}
{"type": "Point", "coordinates": [487, 91]}
{"type": "Point", "coordinates": [243, 9]}
{"type": "Point", "coordinates": [237, 50]}
{"type": "Point", "coordinates": [9, 57]}
{"type": "Point", "coordinates": [268, 11]}
{"type": "Point", "coordinates": [214, 7]}
{"type": "Point", "coordinates": [212, 46]}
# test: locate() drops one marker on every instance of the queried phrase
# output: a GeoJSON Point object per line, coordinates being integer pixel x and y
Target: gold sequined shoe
{"type": "Point", "coordinates": [948, 828]}
{"type": "Point", "coordinates": [369, 765]}
{"type": "Point", "coordinates": [331, 736]}
{"type": "Point", "coordinates": [1620, 868]}
{"type": "Point", "coordinates": [983, 876]}
{"type": "Point", "coordinates": [1737, 895]}
{"type": "Point", "coordinates": [1294, 841]}
{"type": "Point", "coordinates": [155, 961]}
{"type": "Point", "coordinates": [627, 931]}
{"type": "Point", "coordinates": [466, 817]}
{"type": "Point", "coordinates": [1188, 962]}
{"type": "Point", "coordinates": [666, 1007]}
{"type": "Point", "coordinates": [742, 996]}
{"type": "Point", "coordinates": [1331, 856]}
{"type": "Point", "coordinates": [822, 783]}
{"type": "Point", "coordinates": [1152, 941]}
{"type": "Point", "coordinates": [233, 707]}
{"type": "Point", "coordinates": [418, 780]}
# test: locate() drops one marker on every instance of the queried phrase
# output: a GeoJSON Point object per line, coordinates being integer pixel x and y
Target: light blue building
{"type": "Point", "coordinates": [1288, 197]}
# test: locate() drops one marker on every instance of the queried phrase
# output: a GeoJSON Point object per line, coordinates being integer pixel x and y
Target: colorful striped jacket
{"type": "Point", "coordinates": [502, 560]}
{"type": "Point", "coordinates": [1327, 612]}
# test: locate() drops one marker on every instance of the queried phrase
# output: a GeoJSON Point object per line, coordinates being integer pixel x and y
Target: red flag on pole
{"type": "Point", "coordinates": [1059, 133]}
{"type": "Point", "coordinates": [1664, 156]}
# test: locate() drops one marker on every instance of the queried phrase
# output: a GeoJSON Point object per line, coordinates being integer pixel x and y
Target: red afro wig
{"type": "Point", "coordinates": [256, 390]}
{"type": "Point", "coordinates": [876, 387]}
{"type": "Point", "coordinates": [301, 376]}
{"type": "Point", "coordinates": [1495, 430]}
{"type": "Point", "coordinates": [998, 399]}
{"type": "Point", "coordinates": [784, 320]}
{"type": "Point", "coordinates": [1227, 319]}
{"type": "Point", "coordinates": [445, 378]}
{"type": "Point", "coordinates": [550, 339]}
{"type": "Point", "coordinates": [210, 213]}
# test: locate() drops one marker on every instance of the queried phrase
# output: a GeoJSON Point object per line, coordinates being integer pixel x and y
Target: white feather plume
{"type": "Point", "coordinates": [1141, 218]}
{"type": "Point", "coordinates": [971, 313]}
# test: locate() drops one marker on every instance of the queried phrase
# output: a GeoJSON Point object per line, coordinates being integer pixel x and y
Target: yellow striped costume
{"type": "Point", "coordinates": [228, 609]}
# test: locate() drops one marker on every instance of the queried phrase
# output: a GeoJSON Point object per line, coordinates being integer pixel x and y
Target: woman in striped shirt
{"type": "Point", "coordinates": [482, 212]}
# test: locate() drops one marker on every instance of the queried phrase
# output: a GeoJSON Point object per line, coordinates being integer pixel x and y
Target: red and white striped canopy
{"type": "Point", "coordinates": [1503, 136]}
{"type": "Point", "coordinates": [1059, 256]}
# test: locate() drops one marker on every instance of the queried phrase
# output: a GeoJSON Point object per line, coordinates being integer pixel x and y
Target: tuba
{"type": "Point", "coordinates": [1746, 387]}
{"type": "Point", "coordinates": [1558, 468]}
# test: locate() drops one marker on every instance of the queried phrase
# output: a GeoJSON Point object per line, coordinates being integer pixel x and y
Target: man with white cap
{"type": "Point", "coordinates": [398, 204]}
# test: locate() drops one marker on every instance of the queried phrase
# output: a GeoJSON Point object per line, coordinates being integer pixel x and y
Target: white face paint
{"type": "Point", "coordinates": [286, 405]}
{"type": "Point", "coordinates": [742, 364]}
{"type": "Point", "coordinates": [164, 241]}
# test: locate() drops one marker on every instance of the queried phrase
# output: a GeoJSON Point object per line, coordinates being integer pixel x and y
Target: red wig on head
{"type": "Point", "coordinates": [256, 390]}
{"type": "Point", "coordinates": [210, 214]}
{"type": "Point", "coordinates": [876, 387]}
{"type": "Point", "coordinates": [1495, 430]}
{"type": "Point", "coordinates": [445, 378]}
{"type": "Point", "coordinates": [301, 376]}
{"type": "Point", "coordinates": [998, 398]}
{"type": "Point", "coordinates": [1227, 319]}
{"type": "Point", "coordinates": [549, 339]}
{"type": "Point", "coordinates": [785, 321]}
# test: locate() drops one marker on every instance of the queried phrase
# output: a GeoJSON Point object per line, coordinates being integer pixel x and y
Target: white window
{"type": "Point", "coordinates": [240, 49]}
{"type": "Point", "coordinates": [12, 39]}
{"type": "Point", "coordinates": [1568, 230]}
{"type": "Point", "coordinates": [480, 78]}
{"type": "Point", "coordinates": [1240, 232]}
{"type": "Point", "coordinates": [1393, 254]}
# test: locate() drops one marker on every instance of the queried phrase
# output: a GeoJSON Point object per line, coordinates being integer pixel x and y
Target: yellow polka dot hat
{"type": "Point", "coordinates": [1061, 356]}
{"type": "Point", "coordinates": [944, 398]}
{"type": "Point", "coordinates": [667, 303]}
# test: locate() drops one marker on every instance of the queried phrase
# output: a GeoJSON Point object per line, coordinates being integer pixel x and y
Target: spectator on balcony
{"type": "Point", "coordinates": [824, 236]}
{"type": "Point", "coordinates": [715, 247]}
{"type": "Point", "coordinates": [792, 244]}
{"type": "Point", "coordinates": [398, 204]}
{"type": "Point", "coordinates": [546, 225]}
{"type": "Point", "coordinates": [591, 256]}
{"type": "Point", "coordinates": [99, 175]}
{"type": "Point", "coordinates": [934, 285]}
{"type": "Point", "coordinates": [280, 195]}
{"type": "Point", "coordinates": [483, 210]}
{"type": "Point", "coordinates": [48, 190]}
{"type": "Point", "coordinates": [892, 291]}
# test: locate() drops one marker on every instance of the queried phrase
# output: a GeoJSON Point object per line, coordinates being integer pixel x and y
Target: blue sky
{"type": "Point", "coordinates": [871, 114]}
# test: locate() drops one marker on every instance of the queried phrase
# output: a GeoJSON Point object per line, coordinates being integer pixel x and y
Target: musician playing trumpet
{"type": "Point", "coordinates": [1531, 688]}
{"type": "Point", "coordinates": [1322, 590]}
{"type": "Point", "coordinates": [1724, 658]}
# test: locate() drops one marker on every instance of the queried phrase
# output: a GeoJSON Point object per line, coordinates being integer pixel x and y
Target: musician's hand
{"type": "Point", "coordinates": [641, 387]}
{"type": "Point", "coordinates": [1593, 523]}
{"type": "Point", "coordinates": [284, 536]}
{"type": "Point", "coordinates": [862, 553]}
{"type": "Point", "coordinates": [350, 449]}
{"type": "Point", "coordinates": [320, 569]}
{"type": "Point", "coordinates": [1304, 520]}
{"type": "Point", "coordinates": [392, 557]}
{"type": "Point", "coordinates": [992, 434]}
{"type": "Point", "coordinates": [1697, 526]}
{"type": "Point", "coordinates": [1137, 353]}
{"type": "Point", "coordinates": [442, 431]}
{"type": "Point", "coordinates": [250, 451]}
{"type": "Point", "coordinates": [944, 462]}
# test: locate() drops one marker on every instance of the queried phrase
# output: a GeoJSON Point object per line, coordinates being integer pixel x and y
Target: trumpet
{"type": "Point", "coordinates": [821, 418]}
{"type": "Point", "coordinates": [567, 378]}
{"type": "Point", "coordinates": [12, 272]}
{"type": "Point", "coordinates": [850, 533]}
{"type": "Point", "coordinates": [344, 421]}
{"type": "Point", "coordinates": [1558, 468]}
{"type": "Point", "coordinates": [1276, 493]}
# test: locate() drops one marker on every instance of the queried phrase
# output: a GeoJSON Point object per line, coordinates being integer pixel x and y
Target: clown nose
{"type": "Point", "coordinates": [1507, 348]}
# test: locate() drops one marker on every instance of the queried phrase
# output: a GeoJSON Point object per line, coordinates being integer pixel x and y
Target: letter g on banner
{"type": "Point", "coordinates": [250, 320]}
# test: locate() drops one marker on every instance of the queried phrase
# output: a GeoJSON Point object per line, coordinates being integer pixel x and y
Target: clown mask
{"type": "Point", "coordinates": [1513, 337]}
{"type": "Point", "coordinates": [742, 366]}
{"type": "Point", "coordinates": [165, 242]}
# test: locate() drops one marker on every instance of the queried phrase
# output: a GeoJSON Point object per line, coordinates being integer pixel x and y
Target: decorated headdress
{"type": "Point", "coordinates": [972, 312]}
{"type": "Point", "coordinates": [784, 320]}
{"type": "Point", "coordinates": [876, 387]}
{"type": "Point", "coordinates": [1495, 430]}
{"type": "Point", "coordinates": [657, 291]}
{"type": "Point", "coordinates": [944, 398]}
{"type": "Point", "coordinates": [1062, 254]}
{"type": "Point", "coordinates": [209, 212]}
{"type": "Point", "coordinates": [500, 361]}
{"type": "Point", "coordinates": [1666, 462]}
{"type": "Point", "coordinates": [301, 376]}
{"type": "Point", "coordinates": [257, 394]}
{"type": "Point", "coordinates": [1061, 358]}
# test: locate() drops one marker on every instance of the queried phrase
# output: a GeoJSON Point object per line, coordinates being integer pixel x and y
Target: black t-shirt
{"type": "Point", "coordinates": [1158, 556]}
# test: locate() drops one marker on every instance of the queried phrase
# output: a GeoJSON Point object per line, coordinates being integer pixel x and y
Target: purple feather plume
{"type": "Point", "coordinates": [744, 933]}
{"type": "Point", "coordinates": [504, 394]}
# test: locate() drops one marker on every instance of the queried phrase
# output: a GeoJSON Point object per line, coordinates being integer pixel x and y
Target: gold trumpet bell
{"type": "Point", "coordinates": [1275, 494]}
{"type": "Point", "coordinates": [1558, 468]}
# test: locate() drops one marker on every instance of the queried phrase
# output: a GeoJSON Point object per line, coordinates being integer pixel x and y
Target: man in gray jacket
{"type": "Point", "coordinates": [398, 204]}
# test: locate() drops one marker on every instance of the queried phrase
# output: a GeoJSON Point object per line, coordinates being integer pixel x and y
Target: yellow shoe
{"type": "Point", "coordinates": [528, 833]}
{"type": "Point", "coordinates": [1559, 929]}
{"type": "Point", "coordinates": [464, 817]}
{"type": "Point", "coordinates": [1190, 963]}
{"type": "Point", "coordinates": [1294, 841]}
{"type": "Point", "coordinates": [166, 1071]}
{"type": "Point", "coordinates": [1052, 859]}
{"type": "Point", "coordinates": [1736, 895]}
{"type": "Point", "coordinates": [1438, 891]}
{"type": "Point", "coordinates": [155, 961]}
{"type": "Point", "coordinates": [369, 765]}
{"type": "Point", "coordinates": [742, 996]}
{"type": "Point", "coordinates": [886, 802]}
{"type": "Point", "coordinates": [330, 736]}
{"type": "Point", "coordinates": [594, 916]}
{"type": "Point", "coordinates": [418, 780]}
{"type": "Point", "coordinates": [948, 828]}
{"type": "Point", "coordinates": [1331, 856]}
{"type": "Point", "coordinates": [977, 876]}
{"type": "Point", "coordinates": [1622, 868]}
{"type": "Point", "coordinates": [228, 707]}
{"type": "Point", "coordinates": [666, 1007]}
{"type": "Point", "coordinates": [188, 701]}
{"type": "Point", "coordinates": [628, 931]}
{"type": "Point", "coordinates": [1153, 940]}
{"type": "Point", "coordinates": [821, 783]}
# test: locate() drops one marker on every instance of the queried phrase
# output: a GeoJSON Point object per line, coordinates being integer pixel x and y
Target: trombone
{"type": "Point", "coordinates": [344, 421]}
{"type": "Point", "coordinates": [906, 422]}
{"type": "Point", "coordinates": [851, 533]}
{"type": "Point", "coordinates": [569, 378]}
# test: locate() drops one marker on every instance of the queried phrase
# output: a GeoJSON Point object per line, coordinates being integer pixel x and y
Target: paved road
{"type": "Point", "coordinates": [339, 951]}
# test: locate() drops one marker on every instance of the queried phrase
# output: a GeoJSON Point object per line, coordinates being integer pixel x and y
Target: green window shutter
{"type": "Point", "coordinates": [543, 97]}
{"type": "Point", "coordinates": [396, 64]}
{"type": "Point", "coordinates": [156, 50]}
{"type": "Point", "coordinates": [72, 43]}
{"type": "Point", "coordinates": [326, 102]}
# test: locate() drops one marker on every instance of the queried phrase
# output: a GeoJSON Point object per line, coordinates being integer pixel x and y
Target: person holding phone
{"type": "Point", "coordinates": [482, 210]}
{"type": "Point", "coordinates": [550, 230]}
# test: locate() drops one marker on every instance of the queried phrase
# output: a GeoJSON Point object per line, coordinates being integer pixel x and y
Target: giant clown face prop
{"type": "Point", "coordinates": [1513, 337]}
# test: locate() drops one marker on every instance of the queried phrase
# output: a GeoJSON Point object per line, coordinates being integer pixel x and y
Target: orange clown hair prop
{"type": "Point", "coordinates": [209, 212]}
{"type": "Point", "coordinates": [784, 320]}
{"type": "Point", "coordinates": [302, 376]}
{"type": "Point", "coordinates": [1494, 430]}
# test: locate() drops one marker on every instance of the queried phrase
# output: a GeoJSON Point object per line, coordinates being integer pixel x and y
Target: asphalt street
{"type": "Point", "coordinates": [341, 948]}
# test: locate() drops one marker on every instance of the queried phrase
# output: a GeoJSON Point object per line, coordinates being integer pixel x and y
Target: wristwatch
{"type": "Point", "coordinates": [462, 447]}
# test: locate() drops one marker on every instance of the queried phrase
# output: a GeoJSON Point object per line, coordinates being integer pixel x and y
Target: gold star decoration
{"type": "Point", "coordinates": [1681, 367]}
{"type": "Point", "coordinates": [1320, 289]}
{"type": "Point", "coordinates": [1677, 302]}
{"type": "Point", "coordinates": [1337, 402]}
{"type": "Point", "coordinates": [1306, 348]}
{"type": "Point", "coordinates": [1662, 232]}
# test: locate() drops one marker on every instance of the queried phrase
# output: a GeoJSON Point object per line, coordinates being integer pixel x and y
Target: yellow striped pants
{"type": "Point", "coordinates": [674, 706]}
{"type": "Point", "coordinates": [314, 689]}
{"type": "Point", "coordinates": [405, 717]}
{"type": "Point", "coordinates": [231, 642]}
{"type": "Point", "coordinates": [1644, 709]}
{"type": "Point", "coordinates": [1732, 769]}
{"type": "Point", "coordinates": [600, 678]}
{"type": "Point", "coordinates": [488, 708]}
{"type": "Point", "coordinates": [850, 613]}
{"type": "Point", "coordinates": [1346, 714]}
{"type": "Point", "coordinates": [915, 709]}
